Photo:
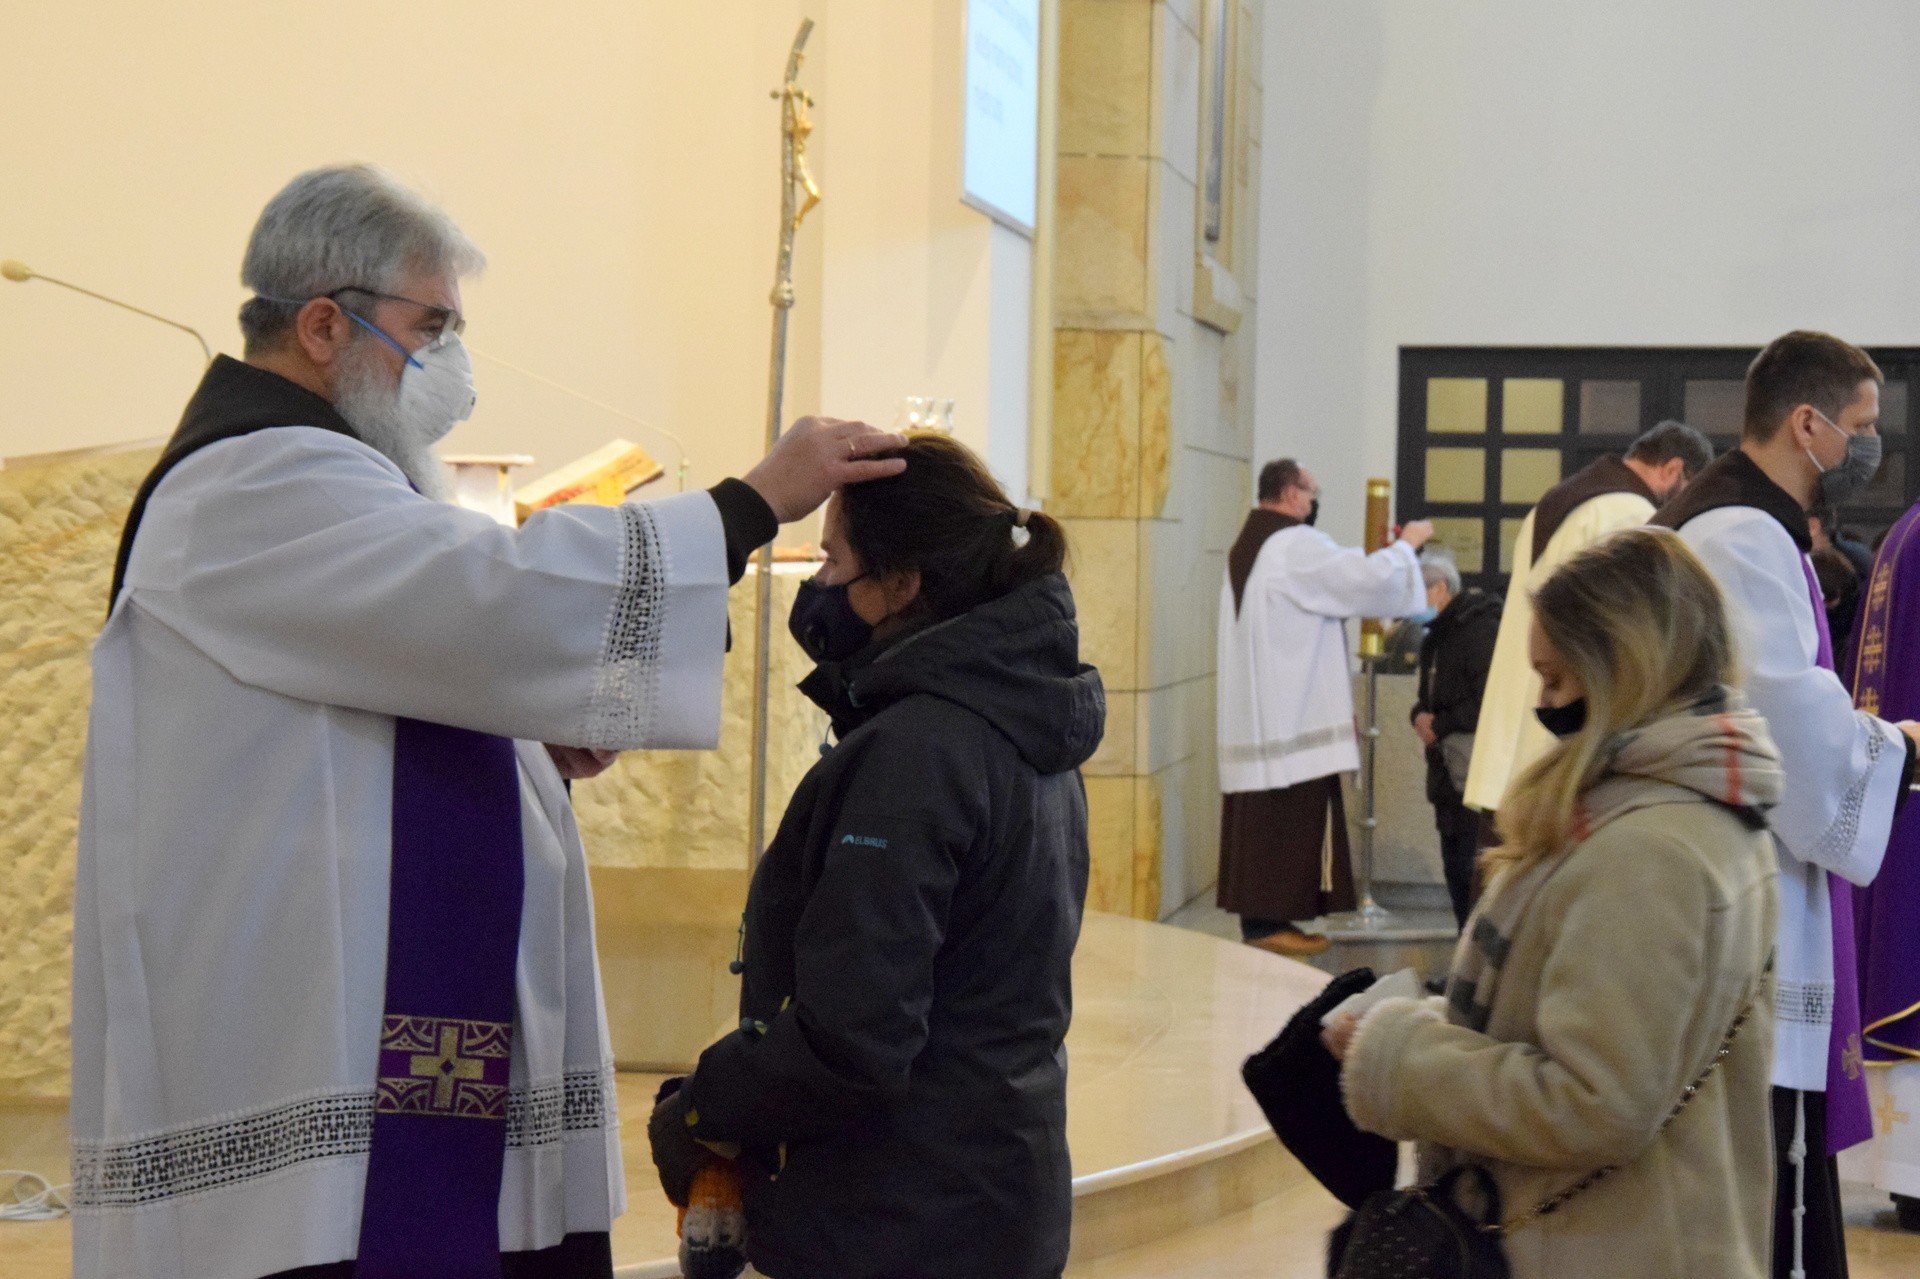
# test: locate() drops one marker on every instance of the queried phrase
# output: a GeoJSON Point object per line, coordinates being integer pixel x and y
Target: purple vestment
{"type": "Point", "coordinates": [1849, 1113]}
{"type": "Point", "coordinates": [1885, 912]}
{"type": "Point", "coordinates": [432, 1207]}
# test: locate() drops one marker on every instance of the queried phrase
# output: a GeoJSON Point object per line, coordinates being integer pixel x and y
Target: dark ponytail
{"type": "Point", "coordinates": [947, 517]}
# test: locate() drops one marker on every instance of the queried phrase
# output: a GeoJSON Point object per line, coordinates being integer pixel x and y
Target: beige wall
{"type": "Point", "coordinates": [1152, 427]}
{"type": "Point", "coordinates": [617, 161]}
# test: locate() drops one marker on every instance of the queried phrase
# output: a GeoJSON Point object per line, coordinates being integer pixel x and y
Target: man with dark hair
{"type": "Point", "coordinates": [1276, 477]}
{"type": "Point", "coordinates": [1611, 494]}
{"type": "Point", "coordinates": [1812, 405]}
{"type": "Point", "coordinates": [1673, 452]}
{"type": "Point", "coordinates": [1286, 705]}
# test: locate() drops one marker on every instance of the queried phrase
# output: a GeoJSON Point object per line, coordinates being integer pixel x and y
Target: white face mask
{"type": "Point", "coordinates": [436, 386]}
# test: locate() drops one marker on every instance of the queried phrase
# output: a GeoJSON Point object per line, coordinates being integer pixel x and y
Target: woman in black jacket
{"type": "Point", "coordinates": [897, 1088]}
{"type": "Point", "coordinates": [1454, 660]}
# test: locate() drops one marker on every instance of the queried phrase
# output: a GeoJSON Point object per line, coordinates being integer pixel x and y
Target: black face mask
{"type": "Point", "coordinates": [824, 624]}
{"type": "Point", "coordinates": [1313, 514]}
{"type": "Point", "coordinates": [1563, 721]}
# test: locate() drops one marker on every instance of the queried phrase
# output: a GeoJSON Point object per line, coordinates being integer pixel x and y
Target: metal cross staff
{"type": "Point", "coordinates": [795, 179]}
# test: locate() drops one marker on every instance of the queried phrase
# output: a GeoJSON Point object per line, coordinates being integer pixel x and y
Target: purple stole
{"type": "Point", "coordinates": [432, 1207]}
{"type": "Point", "coordinates": [1889, 964]}
{"type": "Point", "coordinates": [1849, 1114]}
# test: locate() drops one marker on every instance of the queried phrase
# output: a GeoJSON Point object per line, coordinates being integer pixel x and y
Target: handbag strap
{"type": "Point", "coordinates": [1547, 1207]}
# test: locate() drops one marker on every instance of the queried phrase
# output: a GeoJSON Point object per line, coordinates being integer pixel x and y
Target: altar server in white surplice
{"type": "Point", "coordinates": [335, 993]}
{"type": "Point", "coordinates": [1812, 404]}
{"type": "Point", "coordinates": [1286, 705]}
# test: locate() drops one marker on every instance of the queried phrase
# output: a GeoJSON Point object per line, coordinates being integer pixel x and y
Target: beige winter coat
{"type": "Point", "coordinates": [1624, 974]}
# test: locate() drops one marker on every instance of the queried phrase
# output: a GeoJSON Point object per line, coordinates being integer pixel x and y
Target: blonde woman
{"type": "Point", "coordinates": [1624, 934]}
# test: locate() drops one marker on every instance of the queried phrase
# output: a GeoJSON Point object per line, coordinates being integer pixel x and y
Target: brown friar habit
{"type": "Point", "coordinates": [1283, 853]}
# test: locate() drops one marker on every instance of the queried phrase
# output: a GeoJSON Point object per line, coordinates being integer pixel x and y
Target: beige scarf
{"type": "Point", "coordinates": [1716, 751]}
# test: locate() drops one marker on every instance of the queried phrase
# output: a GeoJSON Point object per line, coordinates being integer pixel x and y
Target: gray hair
{"type": "Point", "coordinates": [1436, 565]}
{"type": "Point", "coordinates": [345, 226]}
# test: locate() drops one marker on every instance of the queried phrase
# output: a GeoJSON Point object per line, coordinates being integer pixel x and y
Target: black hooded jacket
{"type": "Point", "coordinates": [1454, 660]}
{"type": "Point", "coordinates": [898, 1082]}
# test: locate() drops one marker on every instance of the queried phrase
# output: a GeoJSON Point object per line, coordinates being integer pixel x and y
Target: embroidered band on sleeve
{"type": "Point", "coordinates": [1845, 831]}
{"type": "Point", "coordinates": [625, 694]}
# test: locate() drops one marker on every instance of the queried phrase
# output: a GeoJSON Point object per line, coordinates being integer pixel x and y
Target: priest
{"type": "Point", "coordinates": [336, 1006]}
{"type": "Point", "coordinates": [1885, 676]}
{"type": "Point", "coordinates": [1611, 494]}
{"type": "Point", "coordinates": [1812, 404]}
{"type": "Point", "coordinates": [1286, 705]}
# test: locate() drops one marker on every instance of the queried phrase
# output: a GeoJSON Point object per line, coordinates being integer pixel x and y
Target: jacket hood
{"type": "Point", "coordinates": [1014, 661]}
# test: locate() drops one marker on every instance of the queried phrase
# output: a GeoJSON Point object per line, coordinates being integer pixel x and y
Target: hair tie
{"type": "Point", "coordinates": [1019, 516]}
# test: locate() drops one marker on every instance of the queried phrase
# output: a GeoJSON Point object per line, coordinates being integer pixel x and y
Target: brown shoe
{"type": "Point", "coordinates": [1292, 943]}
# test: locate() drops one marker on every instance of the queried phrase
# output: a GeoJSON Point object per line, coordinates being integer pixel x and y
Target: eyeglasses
{"type": "Point", "coordinates": [444, 319]}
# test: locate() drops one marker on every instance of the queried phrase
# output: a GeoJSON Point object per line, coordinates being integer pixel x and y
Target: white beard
{"type": "Point", "coordinates": [370, 403]}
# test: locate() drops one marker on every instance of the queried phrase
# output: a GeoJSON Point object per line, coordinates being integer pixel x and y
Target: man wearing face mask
{"type": "Point", "coordinates": [1812, 404]}
{"type": "Point", "coordinates": [1610, 494]}
{"type": "Point", "coordinates": [1286, 705]}
{"type": "Point", "coordinates": [336, 1006]}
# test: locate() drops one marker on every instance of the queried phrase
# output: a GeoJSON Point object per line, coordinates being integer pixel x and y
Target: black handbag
{"type": "Point", "coordinates": [1423, 1232]}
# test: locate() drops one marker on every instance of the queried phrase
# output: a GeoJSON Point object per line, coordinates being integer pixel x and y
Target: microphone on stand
{"type": "Point", "coordinates": [20, 273]}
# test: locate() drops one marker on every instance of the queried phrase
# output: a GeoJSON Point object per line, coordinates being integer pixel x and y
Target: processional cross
{"type": "Point", "coordinates": [796, 182]}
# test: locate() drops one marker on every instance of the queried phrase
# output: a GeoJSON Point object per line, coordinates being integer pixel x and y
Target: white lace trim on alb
{"type": "Point", "coordinates": [214, 1156]}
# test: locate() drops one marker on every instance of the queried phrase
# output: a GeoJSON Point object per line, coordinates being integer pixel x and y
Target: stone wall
{"type": "Point", "coordinates": [60, 521]}
{"type": "Point", "coordinates": [1153, 418]}
{"type": "Point", "coordinates": [59, 525]}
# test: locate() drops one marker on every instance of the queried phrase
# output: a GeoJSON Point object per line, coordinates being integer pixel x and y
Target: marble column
{"type": "Point", "coordinates": [1152, 418]}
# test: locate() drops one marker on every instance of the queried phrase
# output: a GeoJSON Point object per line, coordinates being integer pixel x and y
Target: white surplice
{"type": "Point", "coordinates": [1285, 683]}
{"type": "Point", "coordinates": [289, 595]}
{"type": "Point", "coordinates": [1843, 768]}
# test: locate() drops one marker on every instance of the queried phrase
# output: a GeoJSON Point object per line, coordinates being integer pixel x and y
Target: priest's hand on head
{"type": "Point", "coordinates": [1417, 533]}
{"type": "Point", "coordinates": [578, 763]}
{"type": "Point", "coordinates": [816, 456]}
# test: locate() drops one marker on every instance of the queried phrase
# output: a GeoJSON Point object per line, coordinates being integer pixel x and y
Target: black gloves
{"type": "Point", "coordinates": [676, 1153]}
